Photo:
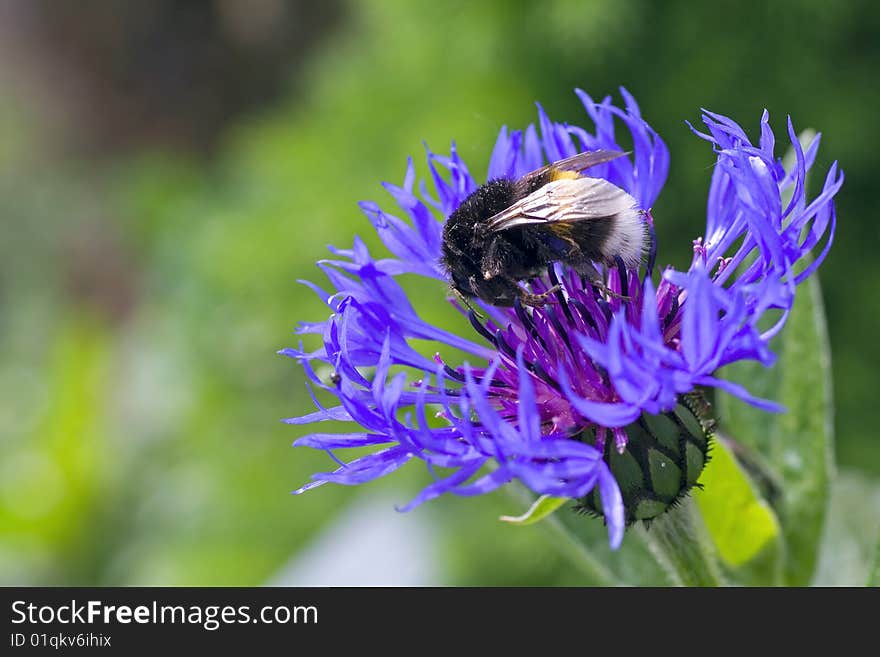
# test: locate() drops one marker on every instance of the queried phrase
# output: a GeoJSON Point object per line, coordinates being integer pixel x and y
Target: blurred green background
{"type": "Point", "coordinates": [168, 170]}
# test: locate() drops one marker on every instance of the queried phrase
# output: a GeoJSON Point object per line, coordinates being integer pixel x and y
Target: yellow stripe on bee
{"type": "Point", "coordinates": [560, 174]}
{"type": "Point", "coordinates": [563, 230]}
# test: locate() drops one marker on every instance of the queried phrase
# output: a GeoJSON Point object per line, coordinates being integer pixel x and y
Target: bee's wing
{"type": "Point", "coordinates": [568, 200]}
{"type": "Point", "coordinates": [579, 162]}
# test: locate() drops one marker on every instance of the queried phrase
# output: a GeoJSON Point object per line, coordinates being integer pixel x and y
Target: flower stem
{"type": "Point", "coordinates": [679, 542]}
{"type": "Point", "coordinates": [579, 554]}
{"type": "Point", "coordinates": [567, 542]}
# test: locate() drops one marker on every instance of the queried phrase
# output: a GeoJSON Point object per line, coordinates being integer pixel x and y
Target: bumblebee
{"type": "Point", "coordinates": [511, 230]}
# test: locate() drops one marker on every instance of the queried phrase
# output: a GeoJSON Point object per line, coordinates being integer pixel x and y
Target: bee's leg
{"type": "Point", "coordinates": [537, 300]}
{"type": "Point", "coordinates": [604, 289]}
{"type": "Point", "coordinates": [589, 273]}
{"type": "Point", "coordinates": [496, 290]}
{"type": "Point", "coordinates": [592, 276]}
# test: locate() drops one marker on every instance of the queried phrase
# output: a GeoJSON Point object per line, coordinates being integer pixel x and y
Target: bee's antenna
{"type": "Point", "coordinates": [465, 301]}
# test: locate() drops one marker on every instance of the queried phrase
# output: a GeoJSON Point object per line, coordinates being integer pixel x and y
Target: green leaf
{"type": "Point", "coordinates": [542, 507]}
{"type": "Point", "coordinates": [850, 544]}
{"type": "Point", "coordinates": [795, 447]}
{"type": "Point", "coordinates": [729, 502]}
{"type": "Point", "coordinates": [680, 543]}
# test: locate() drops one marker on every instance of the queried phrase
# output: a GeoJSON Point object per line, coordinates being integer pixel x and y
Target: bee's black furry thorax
{"type": "Point", "coordinates": [483, 263]}
{"type": "Point", "coordinates": [464, 234]}
{"type": "Point", "coordinates": [466, 238]}
{"type": "Point", "coordinates": [488, 249]}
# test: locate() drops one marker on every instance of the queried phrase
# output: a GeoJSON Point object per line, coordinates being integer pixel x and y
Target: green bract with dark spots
{"type": "Point", "coordinates": [664, 457]}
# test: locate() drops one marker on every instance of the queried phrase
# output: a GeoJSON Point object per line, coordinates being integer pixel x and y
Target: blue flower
{"type": "Point", "coordinates": [543, 389]}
